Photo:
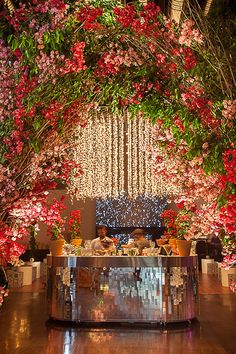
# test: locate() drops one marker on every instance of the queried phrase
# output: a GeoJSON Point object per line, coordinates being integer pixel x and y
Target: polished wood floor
{"type": "Point", "coordinates": [25, 329]}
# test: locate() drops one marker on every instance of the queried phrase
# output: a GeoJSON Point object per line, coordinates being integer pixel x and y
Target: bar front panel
{"type": "Point", "coordinates": [123, 289]}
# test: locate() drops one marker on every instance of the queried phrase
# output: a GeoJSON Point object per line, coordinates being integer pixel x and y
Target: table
{"type": "Point", "coordinates": [110, 289]}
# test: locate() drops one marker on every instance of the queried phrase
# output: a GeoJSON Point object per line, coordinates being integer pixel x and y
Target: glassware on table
{"type": "Point", "coordinates": [87, 244]}
{"type": "Point", "coordinates": [86, 252]}
{"type": "Point", "coordinates": [152, 244]}
{"type": "Point", "coordinates": [125, 250]}
{"type": "Point", "coordinates": [133, 252]}
{"type": "Point", "coordinates": [156, 251]}
{"type": "Point", "coordinates": [168, 249]}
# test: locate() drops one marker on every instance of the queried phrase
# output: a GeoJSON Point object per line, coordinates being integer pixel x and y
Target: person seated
{"type": "Point", "coordinates": [102, 244]}
{"type": "Point", "coordinates": [139, 241]}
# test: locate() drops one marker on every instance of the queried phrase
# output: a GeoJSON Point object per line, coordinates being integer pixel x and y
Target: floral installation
{"type": "Point", "coordinates": [74, 224]}
{"type": "Point", "coordinates": [59, 61]}
{"type": "Point", "coordinates": [177, 223]}
{"type": "Point", "coordinates": [229, 261]}
{"type": "Point", "coordinates": [169, 217]}
{"type": "Point", "coordinates": [183, 222]}
{"type": "Point", "coordinates": [54, 220]}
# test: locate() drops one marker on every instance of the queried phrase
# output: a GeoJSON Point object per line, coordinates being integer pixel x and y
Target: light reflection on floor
{"type": "Point", "coordinates": [25, 329]}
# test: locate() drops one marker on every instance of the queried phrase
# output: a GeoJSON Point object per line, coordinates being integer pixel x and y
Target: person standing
{"type": "Point", "coordinates": [102, 243]}
{"type": "Point", "coordinates": [139, 241]}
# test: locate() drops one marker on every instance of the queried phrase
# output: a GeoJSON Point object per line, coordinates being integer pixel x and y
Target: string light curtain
{"type": "Point", "coordinates": [142, 211]}
{"type": "Point", "coordinates": [115, 155]}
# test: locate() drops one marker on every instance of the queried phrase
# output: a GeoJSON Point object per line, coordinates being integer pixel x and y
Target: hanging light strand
{"type": "Point", "coordinates": [116, 158]}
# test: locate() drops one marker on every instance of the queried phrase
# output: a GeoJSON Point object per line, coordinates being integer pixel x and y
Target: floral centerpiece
{"type": "Point", "coordinates": [57, 238]}
{"type": "Point", "coordinates": [169, 217]}
{"type": "Point", "coordinates": [56, 226]}
{"type": "Point", "coordinates": [74, 227]}
{"type": "Point", "coordinates": [55, 231]}
{"type": "Point", "coordinates": [177, 225]}
{"type": "Point", "coordinates": [182, 224]}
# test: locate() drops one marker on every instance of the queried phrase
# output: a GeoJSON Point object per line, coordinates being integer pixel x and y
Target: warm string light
{"type": "Point", "coordinates": [147, 176]}
{"type": "Point", "coordinates": [134, 157]}
{"type": "Point", "coordinates": [129, 161]}
{"type": "Point", "coordinates": [109, 158]}
{"type": "Point", "coordinates": [116, 157]}
{"type": "Point", "coordinates": [141, 157]}
{"type": "Point", "coordinates": [121, 130]}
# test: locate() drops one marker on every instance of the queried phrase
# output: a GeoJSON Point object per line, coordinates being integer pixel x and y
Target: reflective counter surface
{"type": "Point", "coordinates": [122, 261]}
{"type": "Point", "coordinates": [123, 288]}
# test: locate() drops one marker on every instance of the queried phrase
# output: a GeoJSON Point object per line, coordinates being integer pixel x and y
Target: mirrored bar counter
{"type": "Point", "coordinates": [123, 289]}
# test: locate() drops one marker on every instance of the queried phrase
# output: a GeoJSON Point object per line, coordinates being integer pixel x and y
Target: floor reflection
{"type": "Point", "coordinates": [25, 329]}
{"type": "Point", "coordinates": [120, 340]}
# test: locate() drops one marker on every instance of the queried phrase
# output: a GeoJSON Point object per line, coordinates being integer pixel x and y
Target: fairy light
{"type": "Point", "coordinates": [101, 162]}
{"type": "Point", "coordinates": [121, 125]}
{"type": "Point", "coordinates": [134, 155]}
{"type": "Point", "coordinates": [122, 211]}
{"type": "Point", "coordinates": [141, 156]}
{"type": "Point", "coordinates": [109, 157]}
{"type": "Point", "coordinates": [129, 164]}
{"type": "Point", "coordinates": [115, 156]}
{"type": "Point", "coordinates": [147, 165]}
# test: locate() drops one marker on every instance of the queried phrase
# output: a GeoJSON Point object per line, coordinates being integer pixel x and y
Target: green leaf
{"type": "Point", "coordinates": [37, 124]}
{"type": "Point", "coordinates": [35, 144]}
{"type": "Point", "coordinates": [14, 44]}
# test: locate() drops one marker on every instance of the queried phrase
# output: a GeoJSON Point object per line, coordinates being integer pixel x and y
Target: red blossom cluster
{"type": "Point", "coordinates": [229, 261]}
{"type": "Point", "coordinates": [74, 223]}
{"type": "Point", "coordinates": [189, 58]}
{"type": "Point", "coordinates": [194, 98]}
{"type": "Point", "coordinates": [229, 159]}
{"type": "Point", "coordinates": [77, 63]}
{"type": "Point", "coordinates": [169, 217]}
{"type": "Point", "coordinates": [24, 87]}
{"type": "Point", "coordinates": [227, 215]}
{"type": "Point", "coordinates": [88, 15]}
{"type": "Point", "coordinates": [19, 136]}
{"type": "Point", "coordinates": [15, 143]}
{"type": "Point", "coordinates": [20, 15]}
{"type": "Point", "coordinates": [52, 113]}
{"type": "Point", "coordinates": [8, 246]}
{"type": "Point", "coordinates": [126, 15]}
{"type": "Point", "coordinates": [145, 23]}
{"type": "Point", "coordinates": [179, 123]}
{"type": "Point", "coordinates": [55, 8]}
{"type": "Point", "coordinates": [54, 219]}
